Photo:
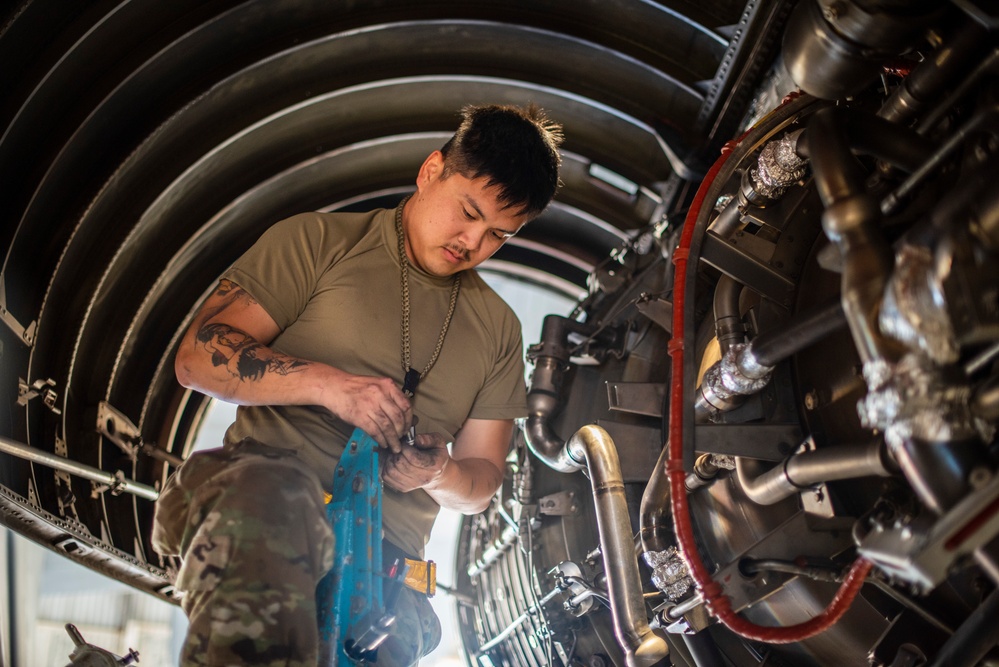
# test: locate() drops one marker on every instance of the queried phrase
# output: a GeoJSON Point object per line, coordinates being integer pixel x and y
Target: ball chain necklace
{"type": "Point", "coordinates": [413, 376]}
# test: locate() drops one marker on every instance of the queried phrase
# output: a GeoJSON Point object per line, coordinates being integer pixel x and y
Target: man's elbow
{"type": "Point", "coordinates": [483, 502]}
{"type": "Point", "coordinates": [477, 508]}
{"type": "Point", "coordinates": [182, 370]}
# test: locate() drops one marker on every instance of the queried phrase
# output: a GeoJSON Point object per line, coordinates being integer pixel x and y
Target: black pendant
{"type": "Point", "coordinates": [410, 382]}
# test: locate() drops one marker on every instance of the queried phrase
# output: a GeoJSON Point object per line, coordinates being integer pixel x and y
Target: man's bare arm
{"type": "Point", "coordinates": [464, 481]}
{"type": "Point", "coordinates": [225, 353]}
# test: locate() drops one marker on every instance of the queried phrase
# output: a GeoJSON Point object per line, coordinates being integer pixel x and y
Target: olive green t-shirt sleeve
{"type": "Point", "coordinates": [282, 268]}
{"type": "Point", "coordinates": [504, 395]}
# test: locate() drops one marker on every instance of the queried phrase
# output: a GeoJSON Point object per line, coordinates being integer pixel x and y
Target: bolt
{"type": "Point", "coordinates": [979, 477]}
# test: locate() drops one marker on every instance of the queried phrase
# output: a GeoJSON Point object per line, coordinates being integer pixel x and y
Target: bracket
{"type": "Point", "coordinates": [43, 388]}
{"type": "Point", "coordinates": [119, 429]}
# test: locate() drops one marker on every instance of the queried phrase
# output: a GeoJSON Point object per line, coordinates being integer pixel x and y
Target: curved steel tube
{"type": "Point", "coordinates": [809, 468]}
{"type": "Point", "coordinates": [542, 401]}
{"type": "Point", "coordinates": [655, 520]}
{"type": "Point", "coordinates": [545, 392]}
{"type": "Point", "coordinates": [594, 445]}
{"type": "Point", "coordinates": [728, 318]}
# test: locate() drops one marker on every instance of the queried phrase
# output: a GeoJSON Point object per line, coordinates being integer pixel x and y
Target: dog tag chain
{"type": "Point", "coordinates": [412, 376]}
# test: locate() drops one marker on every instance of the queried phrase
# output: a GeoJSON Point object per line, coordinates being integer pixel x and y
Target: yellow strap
{"type": "Point", "coordinates": [421, 576]}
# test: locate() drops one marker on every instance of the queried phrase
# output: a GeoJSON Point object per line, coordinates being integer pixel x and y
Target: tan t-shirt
{"type": "Point", "coordinates": [331, 282]}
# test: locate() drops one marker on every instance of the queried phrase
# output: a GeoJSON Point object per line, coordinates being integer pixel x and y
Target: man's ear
{"type": "Point", "coordinates": [431, 168]}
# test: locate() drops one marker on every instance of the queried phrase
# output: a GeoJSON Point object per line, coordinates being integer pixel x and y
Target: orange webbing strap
{"type": "Point", "coordinates": [421, 576]}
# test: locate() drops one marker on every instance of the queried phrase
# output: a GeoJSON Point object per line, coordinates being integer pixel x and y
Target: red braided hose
{"type": "Point", "coordinates": [717, 604]}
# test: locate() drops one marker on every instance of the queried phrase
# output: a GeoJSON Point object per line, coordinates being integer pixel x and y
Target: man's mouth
{"type": "Point", "coordinates": [456, 254]}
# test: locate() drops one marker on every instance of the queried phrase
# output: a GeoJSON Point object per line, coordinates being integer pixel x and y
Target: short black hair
{"type": "Point", "coordinates": [515, 148]}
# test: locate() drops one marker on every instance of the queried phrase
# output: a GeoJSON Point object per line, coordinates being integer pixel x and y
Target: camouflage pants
{"type": "Point", "coordinates": [250, 526]}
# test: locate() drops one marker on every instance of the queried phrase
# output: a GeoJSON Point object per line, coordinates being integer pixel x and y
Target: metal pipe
{"type": "Point", "coordinates": [988, 66]}
{"type": "Point", "coordinates": [849, 221]}
{"type": "Point", "coordinates": [551, 357]}
{"type": "Point", "coordinates": [655, 521]}
{"type": "Point", "coordinates": [982, 359]}
{"type": "Point", "coordinates": [939, 469]}
{"type": "Point", "coordinates": [517, 622]}
{"type": "Point", "coordinates": [807, 469]}
{"type": "Point", "coordinates": [745, 369]}
{"type": "Point", "coordinates": [493, 552]}
{"type": "Point", "coordinates": [806, 329]}
{"type": "Point", "coordinates": [929, 80]}
{"type": "Point", "coordinates": [728, 221]}
{"type": "Point", "coordinates": [728, 318]}
{"type": "Point", "coordinates": [116, 482]}
{"type": "Point", "coordinates": [677, 611]}
{"type": "Point", "coordinates": [703, 649]}
{"type": "Point", "coordinates": [985, 401]}
{"type": "Point", "coordinates": [594, 446]}
{"type": "Point", "coordinates": [977, 636]}
{"type": "Point", "coordinates": [984, 119]}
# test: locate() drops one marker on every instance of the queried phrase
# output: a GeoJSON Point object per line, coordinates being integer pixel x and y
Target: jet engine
{"type": "Point", "coordinates": [767, 433]}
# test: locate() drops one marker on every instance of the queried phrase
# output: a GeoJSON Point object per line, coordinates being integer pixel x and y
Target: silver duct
{"type": "Point", "coordinates": [593, 447]}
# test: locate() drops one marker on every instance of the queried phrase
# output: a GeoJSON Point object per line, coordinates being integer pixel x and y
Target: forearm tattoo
{"type": "Point", "coordinates": [238, 352]}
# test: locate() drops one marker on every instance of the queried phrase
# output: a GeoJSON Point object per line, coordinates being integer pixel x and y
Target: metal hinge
{"type": "Point", "coordinates": [26, 334]}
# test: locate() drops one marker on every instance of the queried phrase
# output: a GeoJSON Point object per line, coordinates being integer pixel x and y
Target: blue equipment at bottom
{"type": "Point", "coordinates": [352, 618]}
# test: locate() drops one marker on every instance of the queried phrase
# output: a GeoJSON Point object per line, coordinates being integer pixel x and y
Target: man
{"type": "Point", "coordinates": [316, 330]}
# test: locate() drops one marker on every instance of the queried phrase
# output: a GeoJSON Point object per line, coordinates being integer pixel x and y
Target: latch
{"type": "Point", "coordinates": [119, 429]}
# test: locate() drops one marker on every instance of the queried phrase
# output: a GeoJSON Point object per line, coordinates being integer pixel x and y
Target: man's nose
{"type": "Point", "coordinates": [471, 237]}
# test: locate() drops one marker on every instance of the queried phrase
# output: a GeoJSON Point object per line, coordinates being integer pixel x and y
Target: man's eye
{"type": "Point", "coordinates": [468, 216]}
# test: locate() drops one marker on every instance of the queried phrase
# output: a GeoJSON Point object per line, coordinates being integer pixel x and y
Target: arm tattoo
{"type": "Point", "coordinates": [228, 293]}
{"type": "Point", "coordinates": [242, 355]}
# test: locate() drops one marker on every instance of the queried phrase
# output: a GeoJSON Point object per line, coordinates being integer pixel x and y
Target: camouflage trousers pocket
{"type": "Point", "coordinates": [205, 562]}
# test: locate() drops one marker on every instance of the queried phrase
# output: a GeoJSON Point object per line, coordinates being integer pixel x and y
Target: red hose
{"type": "Point", "coordinates": [717, 604]}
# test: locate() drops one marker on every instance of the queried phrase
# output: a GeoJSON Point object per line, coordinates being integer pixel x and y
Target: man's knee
{"type": "Point", "coordinates": [255, 625]}
{"type": "Point", "coordinates": [416, 632]}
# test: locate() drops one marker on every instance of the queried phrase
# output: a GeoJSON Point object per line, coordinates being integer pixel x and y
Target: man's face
{"type": "Point", "coordinates": [454, 223]}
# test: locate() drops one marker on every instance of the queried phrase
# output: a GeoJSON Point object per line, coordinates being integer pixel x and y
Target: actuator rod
{"type": "Point", "coordinates": [115, 481]}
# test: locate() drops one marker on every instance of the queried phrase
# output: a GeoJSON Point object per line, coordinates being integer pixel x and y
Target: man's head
{"type": "Point", "coordinates": [513, 148]}
{"type": "Point", "coordinates": [498, 171]}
